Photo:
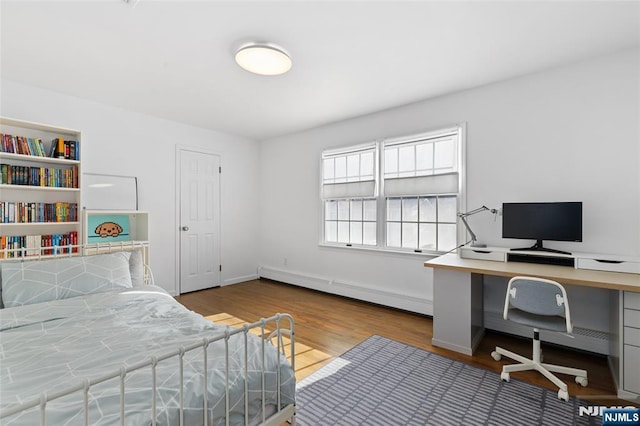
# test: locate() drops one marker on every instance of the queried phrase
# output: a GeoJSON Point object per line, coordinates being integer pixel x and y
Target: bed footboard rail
{"type": "Point", "coordinates": [279, 334]}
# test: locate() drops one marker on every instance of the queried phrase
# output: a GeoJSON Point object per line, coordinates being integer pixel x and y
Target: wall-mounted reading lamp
{"type": "Point", "coordinates": [463, 217]}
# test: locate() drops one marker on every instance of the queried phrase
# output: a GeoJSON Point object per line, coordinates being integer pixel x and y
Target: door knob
{"type": "Point", "coordinates": [185, 228]}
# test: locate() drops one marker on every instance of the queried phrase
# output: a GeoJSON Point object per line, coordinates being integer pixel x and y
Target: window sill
{"type": "Point", "coordinates": [384, 251]}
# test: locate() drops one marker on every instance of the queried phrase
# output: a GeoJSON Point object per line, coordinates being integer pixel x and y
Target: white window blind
{"type": "Point", "coordinates": [426, 164]}
{"type": "Point", "coordinates": [349, 173]}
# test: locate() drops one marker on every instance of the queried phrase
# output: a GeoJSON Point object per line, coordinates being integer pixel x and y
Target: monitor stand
{"type": "Point", "coordinates": [538, 247]}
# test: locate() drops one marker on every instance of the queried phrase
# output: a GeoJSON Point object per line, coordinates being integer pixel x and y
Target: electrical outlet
{"type": "Point", "coordinates": [285, 261]}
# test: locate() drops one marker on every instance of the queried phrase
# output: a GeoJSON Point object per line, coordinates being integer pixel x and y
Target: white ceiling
{"type": "Point", "coordinates": [174, 59]}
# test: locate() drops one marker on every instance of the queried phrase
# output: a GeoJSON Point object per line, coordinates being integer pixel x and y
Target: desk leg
{"type": "Point", "coordinates": [457, 310]}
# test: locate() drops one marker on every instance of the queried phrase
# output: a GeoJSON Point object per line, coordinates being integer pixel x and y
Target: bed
{"type": "Point", "coordinates": [83, 340]}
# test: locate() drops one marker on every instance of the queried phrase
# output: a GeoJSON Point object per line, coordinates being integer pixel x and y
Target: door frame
{"type": "Point", "coordinates": [177, 253]}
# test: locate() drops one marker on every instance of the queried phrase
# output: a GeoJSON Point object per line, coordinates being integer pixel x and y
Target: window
{"type": "Point", "coordinates": [349, 191]}
{"type": "Point", "coordinates": [351, 221]}
{"type": "Point", "coordinates": [395, 194]}
{"type": "Point", "coordinates": [422, 223]}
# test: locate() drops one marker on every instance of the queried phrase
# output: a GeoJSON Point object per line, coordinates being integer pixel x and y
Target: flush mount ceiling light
{"type": "Point", "coordinates": [263, 59]}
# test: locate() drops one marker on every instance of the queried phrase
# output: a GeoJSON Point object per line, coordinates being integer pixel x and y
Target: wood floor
{"type": "Point", "coordinates": [327, 326]}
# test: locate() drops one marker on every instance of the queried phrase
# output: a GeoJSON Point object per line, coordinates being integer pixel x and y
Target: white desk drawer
{"type": "Point", "coordinates": [631, 318]}
{"type": "Point", "coordinates": [632, 336]}
{"type": "Point", "coordinates": [483, 254]}
{"type": "Point", "coordinates": [631, 370]}
{"type": "Point", "coordinates": [613, 266]}
{"type": "Point", "coordinates": [632, 299]}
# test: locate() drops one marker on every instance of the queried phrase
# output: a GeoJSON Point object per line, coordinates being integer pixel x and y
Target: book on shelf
{"type": "Point", "coordinates": [39, 176]}
{"type": "Point", "coordinates": [38, 212]}
{"type": "Point", "coordinates": [72, 149]}
{"type": "Point", "coordinates": [67, 149]}
{"type": "Point", "coordinates": [60, 152]}
{"type": "Point", "coordinates": [52, 149]}
{"type": "Point", "coordinates": [22, 145]}
{"type": "Point", "coordinates": [59, 148]}
{"type": "Point", "coordinates": [12, 246]}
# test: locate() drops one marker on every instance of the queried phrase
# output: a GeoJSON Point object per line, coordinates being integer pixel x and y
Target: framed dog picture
{"type": "Point", "coordinates": [107, 228]}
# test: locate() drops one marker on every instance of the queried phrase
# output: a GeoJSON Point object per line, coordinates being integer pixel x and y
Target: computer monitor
{"type": "Point", "coordinates": [552, 221]}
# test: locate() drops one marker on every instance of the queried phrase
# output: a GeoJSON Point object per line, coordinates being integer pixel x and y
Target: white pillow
{"type": "Point", "coordinates": [36, 281]}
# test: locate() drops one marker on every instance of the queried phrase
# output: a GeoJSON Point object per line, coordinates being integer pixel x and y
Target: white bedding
{"type": "Point", "coordinates": [52, 345]}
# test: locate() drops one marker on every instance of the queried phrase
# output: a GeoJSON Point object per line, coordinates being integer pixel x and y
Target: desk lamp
{"type": "Point", "coordinates": [463, 217]}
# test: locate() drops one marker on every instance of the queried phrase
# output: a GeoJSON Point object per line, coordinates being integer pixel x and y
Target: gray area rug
{"type": "Point", "coordinates": [384, 382]}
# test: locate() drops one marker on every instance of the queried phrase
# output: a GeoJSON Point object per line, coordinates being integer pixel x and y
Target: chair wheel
{"type": "Point", "coordinates": [563, 395]}
{"type": "Point", "coordinates": [582, 381]}
{"type": "Point", "coordinates": [505, 377]}
{"type": "Point", "coordinates": [495, 355]}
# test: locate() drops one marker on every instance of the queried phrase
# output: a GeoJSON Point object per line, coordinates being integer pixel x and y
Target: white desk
{"type": "Point", "coordinates": [458, 306]}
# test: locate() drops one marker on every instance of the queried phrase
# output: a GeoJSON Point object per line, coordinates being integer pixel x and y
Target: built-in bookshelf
{"type": "Point", "coordinates": [40, 172]}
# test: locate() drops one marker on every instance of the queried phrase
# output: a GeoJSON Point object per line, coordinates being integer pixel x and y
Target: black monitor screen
{"type": "Point", "coordinates": [542, 221]}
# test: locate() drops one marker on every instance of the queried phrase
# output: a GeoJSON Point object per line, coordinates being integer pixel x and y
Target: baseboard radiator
{"type": "Point", "coordinates": [355, 290]}
{"type": "Point", "coordinates": [581, 338]}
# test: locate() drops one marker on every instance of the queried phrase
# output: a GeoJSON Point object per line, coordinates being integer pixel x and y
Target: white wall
{"type": "Point", "coordinates": [120, 142]}
{"type": "Point", "coordinates": [565, 134]}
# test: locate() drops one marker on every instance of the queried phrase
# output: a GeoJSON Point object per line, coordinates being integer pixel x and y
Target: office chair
{"type": "Point", "coordinates": [541, 304]}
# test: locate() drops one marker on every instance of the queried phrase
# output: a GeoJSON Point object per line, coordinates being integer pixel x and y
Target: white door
{"type": "Point", "coordinates": [199, 200]}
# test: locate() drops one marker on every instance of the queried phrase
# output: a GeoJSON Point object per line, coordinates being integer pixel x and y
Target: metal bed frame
{"type": "Point", "coordinates": [283, 413]}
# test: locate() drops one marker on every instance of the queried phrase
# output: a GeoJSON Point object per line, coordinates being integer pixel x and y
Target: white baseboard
{"type": "Point", "coordinates": [583, 338]}
{"type": "Point", "coordinates": [175, 292]}
{"type": "Point", "coordinates": [355, 290]}
{"type": "Point", "coordinates": [240, 279]}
